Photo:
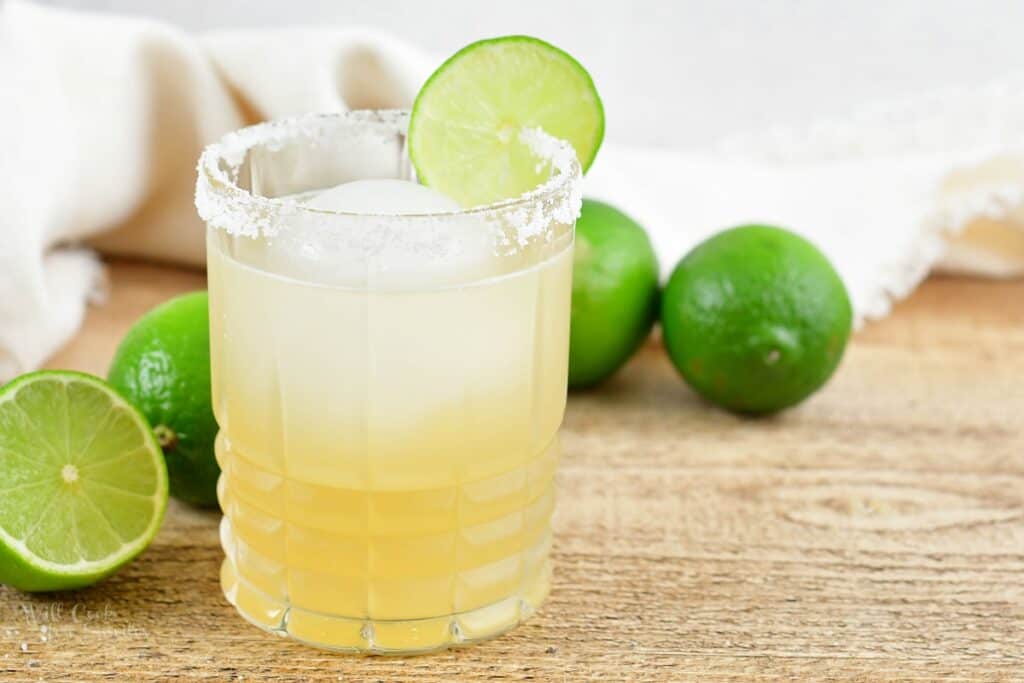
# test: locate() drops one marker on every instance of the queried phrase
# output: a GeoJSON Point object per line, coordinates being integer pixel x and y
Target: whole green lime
{"type": "Point", "coordinates": [755, 319]}
{"type": "Point", "coordinates": [163, 368]}
{"type": "Point", "coordinates": [614, 293]}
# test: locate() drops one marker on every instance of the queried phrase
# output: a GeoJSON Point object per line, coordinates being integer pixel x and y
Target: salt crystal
{"type": "Point", "coordinates": [24, 647]}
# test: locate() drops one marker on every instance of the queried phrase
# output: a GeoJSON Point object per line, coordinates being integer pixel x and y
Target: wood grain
{"type": "Point", "coordinates": [876, 533]}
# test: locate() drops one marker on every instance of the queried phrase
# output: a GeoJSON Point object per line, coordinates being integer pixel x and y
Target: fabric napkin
{"type": "Point", "coordinates": [103, 119]}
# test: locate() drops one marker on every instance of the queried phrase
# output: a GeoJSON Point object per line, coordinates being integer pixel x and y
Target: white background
{"type": "Point", "coordinates": [681, 73]}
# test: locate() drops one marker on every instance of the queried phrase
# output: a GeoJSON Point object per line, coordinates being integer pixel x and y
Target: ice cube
{"type": "Point", "coordinates": [394, 197]}
{"type": "Point", "coordinates": [375, 252]}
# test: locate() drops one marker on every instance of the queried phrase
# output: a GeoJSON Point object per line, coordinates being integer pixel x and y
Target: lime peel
{"type": "Point", "coordinates": [755, 319]}
{"type": "Point", "coordinates": [162, 366]}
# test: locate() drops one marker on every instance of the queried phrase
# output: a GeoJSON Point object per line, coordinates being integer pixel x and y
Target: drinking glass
{"type": "Point", "coordinates": [388, 388]}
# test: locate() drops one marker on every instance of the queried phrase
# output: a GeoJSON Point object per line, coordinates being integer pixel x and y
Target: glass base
{"type": "Point", "coordinates": [390, 637]}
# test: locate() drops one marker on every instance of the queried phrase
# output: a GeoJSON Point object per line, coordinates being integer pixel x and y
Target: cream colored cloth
{"type": "Point", "coordinates": [103, 119]}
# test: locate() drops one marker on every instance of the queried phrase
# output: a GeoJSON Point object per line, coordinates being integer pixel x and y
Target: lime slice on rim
{"type": "Point", "coordinates": [83, 485]}
{"type": "Point", "coordinates": [464, 132]}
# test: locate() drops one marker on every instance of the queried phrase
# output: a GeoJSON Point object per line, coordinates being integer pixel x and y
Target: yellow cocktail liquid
{"type": "Point", "coordinates": [388, 456]}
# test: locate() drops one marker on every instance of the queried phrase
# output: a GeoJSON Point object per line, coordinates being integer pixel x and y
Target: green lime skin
{"type": "Point", "coordinates": [614, 293]}
{"type": "Point", "coordinates": [163, 367]}
{"type": "Point", "coordinates": [755, 319]}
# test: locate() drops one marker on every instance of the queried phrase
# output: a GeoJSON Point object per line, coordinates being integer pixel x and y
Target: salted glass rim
{"type": "Point", "coordinates": [218, 192]}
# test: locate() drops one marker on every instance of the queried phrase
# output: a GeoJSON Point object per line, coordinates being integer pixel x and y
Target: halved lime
{"type": "Point", "coordinates": [83, 485]}
{"type": "Point", "coordinates": [464, 130]}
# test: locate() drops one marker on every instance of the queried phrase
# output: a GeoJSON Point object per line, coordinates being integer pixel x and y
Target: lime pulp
{"type": "Point", "coordinates": [464, 131]}
{"type": "Point", "coordinates": [83, 485]}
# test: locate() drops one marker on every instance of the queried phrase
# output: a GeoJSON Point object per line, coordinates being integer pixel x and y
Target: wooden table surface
{"type": "Point", "coordinates": [875, 533]}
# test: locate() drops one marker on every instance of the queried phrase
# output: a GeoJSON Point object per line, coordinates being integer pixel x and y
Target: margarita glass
{"type": "Point", "coordinates": [389, 388]}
